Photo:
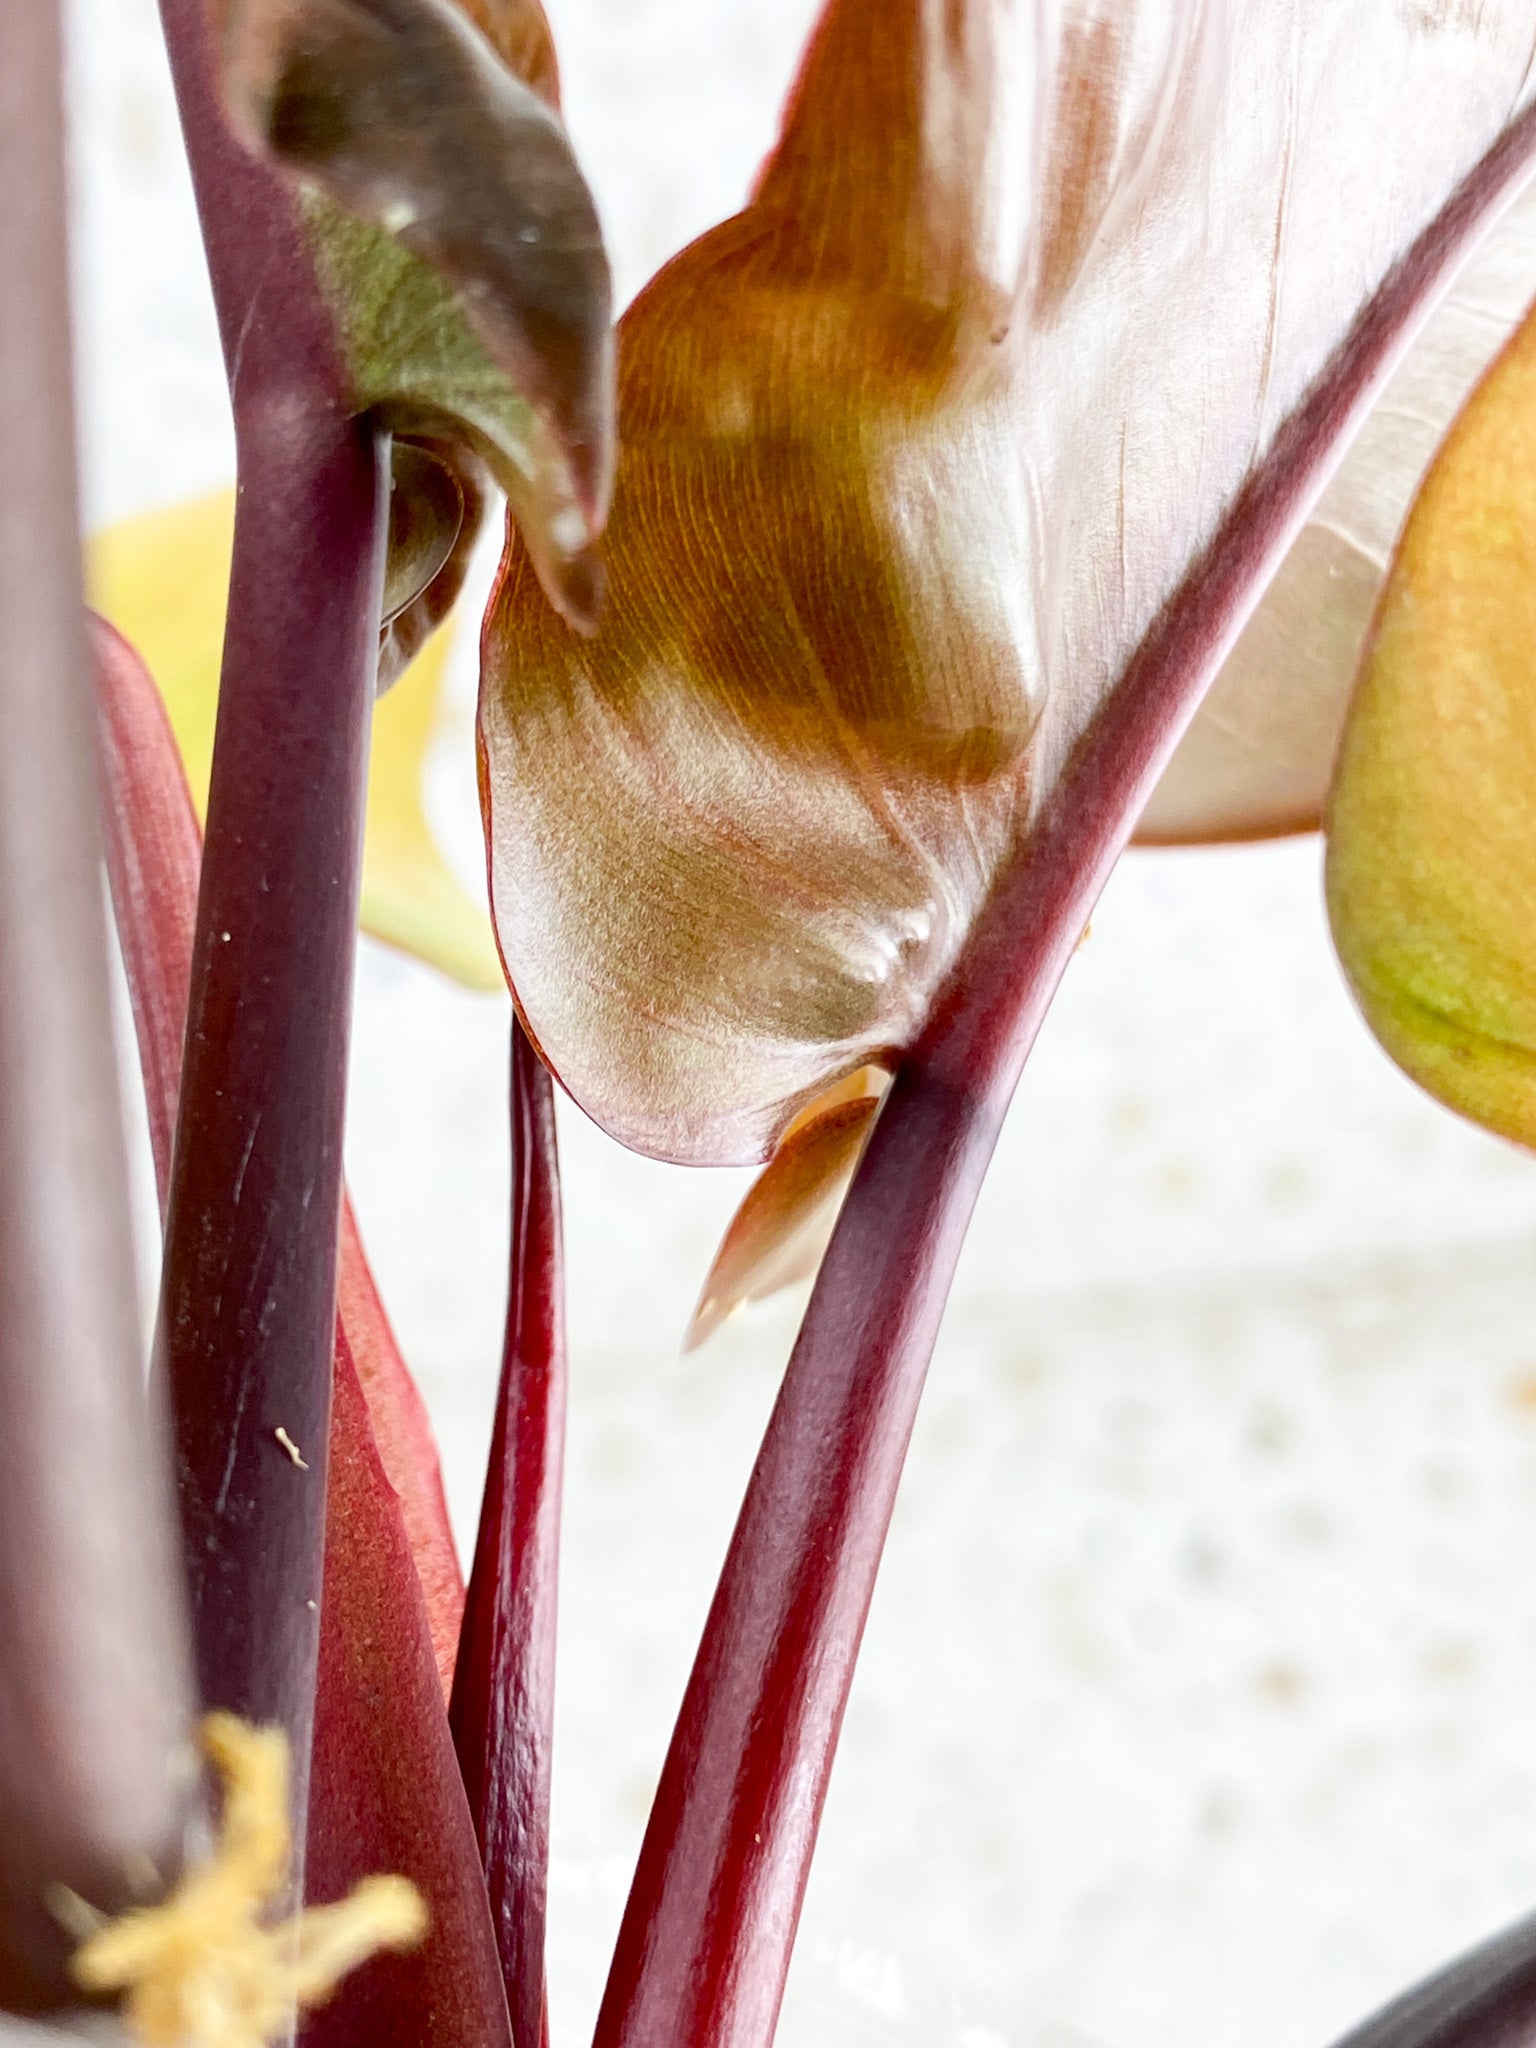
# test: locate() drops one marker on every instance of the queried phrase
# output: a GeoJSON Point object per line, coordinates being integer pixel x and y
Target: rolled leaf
{"type": "Point", "coordinates": [407, 1448]}
{"type": "Point", "coordinates": [386, 1791]}
{"type": "Point", "coordinates": [1431, 858]}
{"type": "Point", "coordinates": [455, 239]}
{"type": "Point", "coordinates": [906, 476]}
{"type": "Point", "coordinates": [1259, 756]}
{"type": "Point", "coordinates": [161, 578]}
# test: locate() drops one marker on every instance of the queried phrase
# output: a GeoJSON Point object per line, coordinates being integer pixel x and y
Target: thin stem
{"type": "Point", "coordinates": [94, 1693]}
{"type": "Point", "coordinates": [706, 1938]}
{"type": "Point", "coordinates": [503, 1693]}
{"type": "Point", "coordinates": [249, 1285]}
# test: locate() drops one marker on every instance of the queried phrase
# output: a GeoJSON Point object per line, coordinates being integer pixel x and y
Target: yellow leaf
{"type": "Point", "coordinates": [1432, 852]}
{"type": "Point", "coordinates": [161, 579]}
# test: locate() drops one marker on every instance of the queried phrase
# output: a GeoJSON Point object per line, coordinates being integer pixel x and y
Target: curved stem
{"type": "Point", "coordinates": [249, 1284]}
{"type": "Point", "coordinates": [504, 1686]}
{"type": "Point", "coordinates": [706, 1938]}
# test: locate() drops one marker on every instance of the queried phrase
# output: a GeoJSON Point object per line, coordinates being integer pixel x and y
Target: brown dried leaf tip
{"type": "Point", "coordinates": [205, 1970]}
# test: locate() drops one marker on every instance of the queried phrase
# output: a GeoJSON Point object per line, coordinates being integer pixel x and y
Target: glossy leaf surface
{"type": "Point", "coordinates": [1259, 756]}
{"type": "Point", "coordinates": [1431, 860]}
{"type": "Point", "coordinates": [455, 239]}
{"type": "Point", "coordinates": [385, 1789]}
{"type": "Point", "coordinates": [162, 578]}
{"type": "Point", "coordinates": [906, 476]}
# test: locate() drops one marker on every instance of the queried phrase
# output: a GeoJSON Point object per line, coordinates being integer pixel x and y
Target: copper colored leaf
{"type": "Point", "coordinates": [455, 239]}
{"type": "Point", "coordinates": [1258, 758]}
{"type": "Point", "coordinates": [907, 475]}
{"type": "Point", "coordinates": [1431, 857]}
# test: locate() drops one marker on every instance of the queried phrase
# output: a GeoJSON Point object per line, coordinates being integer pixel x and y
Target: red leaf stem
{"type": "Point", "coordinates": [707, 1933]}
{"type": "Point", "coordinates": [154, 851]}
{"type": "Point", "coordinates": [95, 1699]}
{"type": "Point", "coordinates": [386, 1792]}
{"type": "Point", "coordinates": [249, 1285]}
{"type": "Point", "coordinates": [1482, 2000]}
{"type": "Point", "coordinates": [503, 1695]}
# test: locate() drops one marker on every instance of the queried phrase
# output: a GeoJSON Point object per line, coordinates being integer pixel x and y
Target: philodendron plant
{"type": "Point", "coordinates": [1105, 415]}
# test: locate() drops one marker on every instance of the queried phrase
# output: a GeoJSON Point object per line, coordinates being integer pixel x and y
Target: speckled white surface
{"type": "Point", "coordinates": [1196, 1703]}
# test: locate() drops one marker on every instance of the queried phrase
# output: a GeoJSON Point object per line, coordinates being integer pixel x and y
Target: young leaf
{"type": "Point", "coordinates": [402, 1433]}
{"type": "Point", "coordinates": [161, 578]}
{"type": "Point", "coordinates": [1259, 756]}
{"type": "Point", "coordinates": [1431, 866]}
{"type": "Point", "coordinates": [386, 1790]}
{"type": "Point", "coordinates": [455, 239]}
{"type": "Point", "coordinates": [903, 484]}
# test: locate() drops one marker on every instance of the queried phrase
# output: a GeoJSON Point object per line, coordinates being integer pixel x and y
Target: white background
{"type": "Point", "coordinates": [1197, 1699]}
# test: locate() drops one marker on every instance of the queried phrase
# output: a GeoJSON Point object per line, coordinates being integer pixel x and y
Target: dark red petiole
{"type": "Point", "coordinates": [503, 1690]}
{"type": "Point", "coordinates": [249, 1288]}
{"type": "Point", "coordinates": [706, 1937]}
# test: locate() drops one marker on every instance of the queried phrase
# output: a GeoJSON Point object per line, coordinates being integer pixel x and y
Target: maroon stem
{"type": "Point", "coordinates": [249, 1287]}
{"type": "Point", "coordinates": [707, 1933]}
{"type": "Point", "coordinates": [94, 1692]}
{"type": "Point", "coordinates": [504, 1684]}
{"type": "Point", "coordinates": [1482, 2000]}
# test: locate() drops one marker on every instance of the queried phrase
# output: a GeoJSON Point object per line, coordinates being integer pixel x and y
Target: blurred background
{"type": "Point", "coordinates": [1196, 1702]}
